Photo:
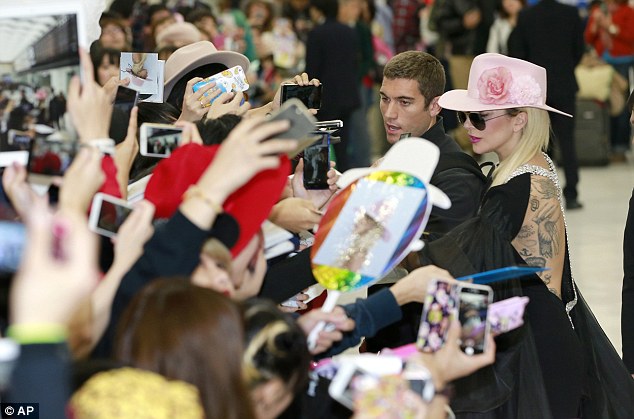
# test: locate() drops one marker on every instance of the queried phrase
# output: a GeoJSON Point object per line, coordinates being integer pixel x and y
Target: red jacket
{"type": "Point", "coordinates": [623, 41]}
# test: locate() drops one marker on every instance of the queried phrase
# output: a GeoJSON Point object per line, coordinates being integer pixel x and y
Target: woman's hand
{"type": "Point", "coordinates": [413, 287]}
{"type": "Point", "coordinates": [19, 192]}
{"type": "Point", "coordinates": [246, 152]}
{"type": "Point", "coordinates": [131, 237]}
{"type": "Point", "coordinates": [450, 362]}
{"type": "Point", "coordinates": [196, 104]}
{"type": "Point", "coordinates": [241, 156]}
{"type": "Point", "coordinates": [326, 338]}
{"type": "Point", "coordinates": [190, 133]}
{"type": "Point", "coordinates": [228, 103]}
{"type": "Point", "coordinates": [295, 214]}
{"type": "Point", "coordinates": [81, 181]}
{"type": "Point", "coordinates": [112, 85]}
{"type": "Point", "coordinates": [301, 80]}
{"type": "Point", "coordinates": [89, 106]}
{"type": "Point", "coordinates": [319, 197]}
{"type": "Point", "coordinates": [299, 300]}
{"type": "Point", "coordinates": [59, 268]}
{"type": "Point", "coordinates": [125, 153]}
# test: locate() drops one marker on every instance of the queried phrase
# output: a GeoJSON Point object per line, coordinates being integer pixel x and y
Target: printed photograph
{"type": "Point", "coordinates": [369, 227]}
{"type": "Point", "coordinates": [143, 71]}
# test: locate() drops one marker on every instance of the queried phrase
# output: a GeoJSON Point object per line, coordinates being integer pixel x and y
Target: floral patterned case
{"type": "Point", "coordinates": [438, 310]}
{"type": "Point", "coordinates": [506, 315]}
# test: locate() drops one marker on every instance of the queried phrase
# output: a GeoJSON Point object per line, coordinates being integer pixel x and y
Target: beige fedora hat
{"type": "Point", "coordinates": [195, 55]}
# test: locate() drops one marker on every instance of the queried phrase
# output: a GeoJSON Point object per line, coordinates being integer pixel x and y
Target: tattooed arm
{"type": "Point", "coordinates": [542, 240]}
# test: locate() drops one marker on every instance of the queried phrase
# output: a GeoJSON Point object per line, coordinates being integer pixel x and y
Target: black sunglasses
{"type": "Point", "coordinates": [477, 120]}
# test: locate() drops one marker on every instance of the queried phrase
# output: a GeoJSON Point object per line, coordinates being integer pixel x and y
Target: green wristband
{"type": "Point", "coordinates": [37, 333]}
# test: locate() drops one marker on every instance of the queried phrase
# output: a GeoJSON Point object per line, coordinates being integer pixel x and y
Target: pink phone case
{"type": "Point", "coordinates": [439, 308]}
{"type": "Point", "coordinates": [506, 315]}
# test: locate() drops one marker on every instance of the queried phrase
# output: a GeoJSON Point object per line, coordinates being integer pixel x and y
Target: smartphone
{"type": "Point", "coordinates": [317, 164]}
{"type": "Point", "coordinates": [361, 372]}
{"type": "Point", "coordinates": [20, 140]}
{"type": "Point", "coordinates": [12, 240]}
{"type": "Point", "coordinates": [302, 124]}
{"type": "Point", "coordinates": [230, 80]}
{"type": "Point", "coordinates": [438, 310]}
{"type": "Point", "coordinates": [107, 214]}
{"type": "Point", "coordinates": [506, 315]}
{"type": "Point", "coordinates": [49, 158]}
{"type": "Point", "coordinates": [473, 308]}
{"type": "Point", "coordinates": [159, 140]}
{"type": "Point", "coordinates": [124, 101]}
{"type": "Point", "coordinates": [349, 379]}
{"type": "Point", "coordinates": [309, 95]}
{"type": "Point", "coordinates": [420, 380]}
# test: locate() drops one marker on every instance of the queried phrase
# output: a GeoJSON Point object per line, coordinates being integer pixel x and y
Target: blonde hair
{"type": "Point", "coordinates": [534, 138]}
{"type": "Point", "coordinates": [218, 252]}
{"type": "Point", "coordinates": [275, 347]}
{"type": "Point", "coordinates": [263, 341]}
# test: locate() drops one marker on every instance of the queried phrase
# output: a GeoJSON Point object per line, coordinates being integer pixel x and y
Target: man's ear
{"type": "Point", "coordinates": [520, 121]}
{"type": "Point", "coordinates": [434, 107]}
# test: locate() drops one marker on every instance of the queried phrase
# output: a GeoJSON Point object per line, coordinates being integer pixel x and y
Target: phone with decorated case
{"type": "Point", "coordinates": [438, 310]}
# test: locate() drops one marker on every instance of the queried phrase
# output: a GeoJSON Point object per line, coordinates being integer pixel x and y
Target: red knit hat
{"type": "Point", "coordinates": [250, 205]}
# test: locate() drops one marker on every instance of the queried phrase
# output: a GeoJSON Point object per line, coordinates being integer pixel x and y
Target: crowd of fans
{"type": "Point", "coordinates": [181, 314]}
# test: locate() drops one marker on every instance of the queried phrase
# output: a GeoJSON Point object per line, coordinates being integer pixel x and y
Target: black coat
{"type": "Point", "coordinates": [550, 34]}
{"type": "Point", "coordinates": [627, 308]}
{"type": "Point", "coordinates": [459, 177]}
{"type": "Point", "coordinates": [333, 56]}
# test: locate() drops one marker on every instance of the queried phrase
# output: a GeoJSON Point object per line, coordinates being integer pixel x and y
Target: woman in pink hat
{"type": "Point", "coordinates": [560, 364]}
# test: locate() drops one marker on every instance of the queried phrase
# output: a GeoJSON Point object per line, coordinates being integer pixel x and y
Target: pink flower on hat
{"type": "Point", "coordinates": [525, 91]}
{"type": "Point", "coordinates": [494, 85]}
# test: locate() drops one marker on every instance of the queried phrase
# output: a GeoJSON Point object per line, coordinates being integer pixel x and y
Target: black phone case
{"type": "Point", "coordinates": [309, 95]}
{"type": "Point", "coordinates": [317, 164]}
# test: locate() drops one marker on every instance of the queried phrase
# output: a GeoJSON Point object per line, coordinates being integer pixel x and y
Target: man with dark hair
{"type": "Point", "coordinates": [405, 74]}
{"type": "Point", "coordinates": [412, 83]}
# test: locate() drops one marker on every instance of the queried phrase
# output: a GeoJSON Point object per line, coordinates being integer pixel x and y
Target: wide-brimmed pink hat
{"type": "Point", "coordinates": [195, 55]}
{"type": "Point", "coordinates": [500, 82]}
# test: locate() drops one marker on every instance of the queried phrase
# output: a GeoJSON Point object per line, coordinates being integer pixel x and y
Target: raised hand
{"type": "Point", "coordinates": [190, 133]}
{"type": "Point", "coordinates": [19, 192]}
{"type": "Point", "coordinates": [227, 103]}
{"type": "Point", "coordinates": [245, 153]}
{"type": "Point", "coordinates": [59, 268]}
{"type": "Point", "coordinates": [300, 79]}
{"type": "Point", "coordinates": [450, 362]}
{"type": "Point", "coordinates": [81, 181]}
{"type": "Point", "coordinates": [241, 156]}
{"type": "Point", "coordinates": [295, 214]}
{"type": "Point", "coordinates": [89, 106]}
{"type": "Point", "coordinates": [319, 197]}
{"type": "Point", "coordinates": [196, 104]}
{"type": "Point", "coordinates": [125, 153]}
{"type": "Point", "coordinates": [327, 337]}
{"type": "Point", "coordinates": [131, 237]}
{"type": "Point", "coordinates": [413, 287]}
